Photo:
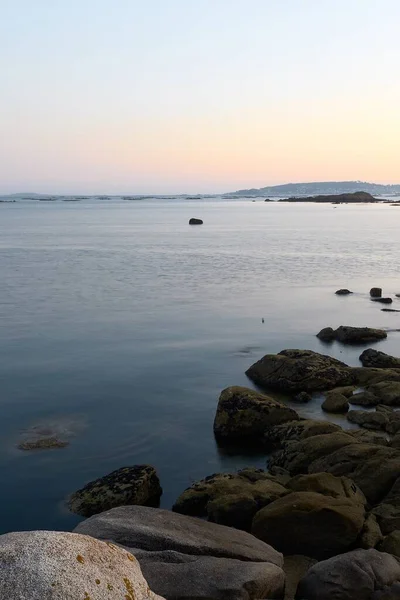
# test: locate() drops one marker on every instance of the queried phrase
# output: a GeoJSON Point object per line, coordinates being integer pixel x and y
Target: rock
{"type": "Point", "coordinates": [382, 300]}
{"type": "Point", "coordinates": [391, 543]}
{"type": "Point", "coordinates": [298, 430]}
{"type": "Point", "coordinates": [395, 443]}
{"type": "Point", "coordinates": [371, 376]}
{"type": "Point", "coordinates": [129, 485]}
{"type": "Point", "coordinates": [302, 397]}
{"type": "Point", "coordinates": [195, 222]}
{"type": "Point", "coordinates": [323, 525]}
{"type": "Point", "coordinates": [296, 457]}
{"type": "Point", "coordinates": [373, 468]}
{"type": "Point", "coordinates": [375, 292]}
{"type": "Point", "coordinates": [393, 425]}
{"type": "Point", "coordinates": [371, 534]}
{"type": "Point", "coordinates": [184, 577]}
{"type": "Point", "coordinates": [380, 360]}
{"type": "Point", "coordinates": [343, 292]}
{"type": "Point", "coordinates": [52, 565]}
{"type": "Point", "coordinates": [391, 592]}
{"type": "Point", "coordinates": [390, 310]}
{"type": "Point", "coordinates": [230, 499]}
{"type": "Point", "coordinates": [388, 511]}
{"type": "Point", "coordinates": [184, 557]}
{"type": "Point", "coordinates": [154, 530]}
{"type": "Point", "coordinates": [370, 437]}
{"type": "Point", "coordinates": [369, 420]}
{"type": "Point", "coordinates": [243, 414]}
{"type": "Point", "coordinates": [295, 568]}
{"type": "Point", "coordinates": [354, 575]}
{"type": "Point", "coordinates": [364, 399]}
{"type": "Point", "coordinates": [42, 444]}
{"type": "Point", "coordinates": [345, 198]}
{"type": "Point", "coordinates": [299, 370]}
{"type": "Point", "coordinates": [387, 392]}
{"type": "Point", "coordinates": [347, 390]}
{"type": "Point", "coordinates": [327, 485]}
{"type": "Point", "coordinates": [335, 403]}
{"type": "Point", "coordinates": [352, 335]}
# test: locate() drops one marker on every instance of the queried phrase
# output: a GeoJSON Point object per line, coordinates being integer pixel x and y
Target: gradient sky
{"type": "Point", "coordinates": [174, 96]}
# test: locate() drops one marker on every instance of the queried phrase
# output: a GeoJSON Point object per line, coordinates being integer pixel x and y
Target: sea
{"type": "Point", "coordinates": [120, 325]}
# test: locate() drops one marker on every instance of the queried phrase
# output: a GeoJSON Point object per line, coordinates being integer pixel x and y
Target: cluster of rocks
{"type": "Point", "coordinates": [375, 295]}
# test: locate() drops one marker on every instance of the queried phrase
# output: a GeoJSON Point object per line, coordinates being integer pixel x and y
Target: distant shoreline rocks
{"type": "Point", "coordinates": [353, 198]}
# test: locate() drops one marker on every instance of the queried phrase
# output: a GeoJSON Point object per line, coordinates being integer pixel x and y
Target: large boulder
{"type": "Point", "coordinates": [300, 370]}
{"type": "Point", "coordinates": [373, 468]}
{"type": "Point", "coordinates": [335, 403]}
{"type": "Point", "coordinates": [298, 430]}
{"type": "Point", "coordinates": [296, 457]}
{"type": "Point", "coordinates": [352, 335]}
{"type": "Point", "coordinates": [369, 420]}
{"type": "Point", "coordinates": [129, 485]}
{"type": "Point", "coordinates": [310, 523]}
{"type": "Point", "coordinates": [354, 575]}
{"type": "Point", "coordinates": [387, 392]}
{"type": "Point", "coordinates": [184, 557]}
{"type": "Point", "coordinates": [243, 414]}
{"type": "Point", "coordinates": [379, 360]}
{"type": "Point", "coordinates": [327, 485]}
{"type": "Point", "coordinates": [230, 499]}
{"type": "Point", "coordinates": [52, 565]}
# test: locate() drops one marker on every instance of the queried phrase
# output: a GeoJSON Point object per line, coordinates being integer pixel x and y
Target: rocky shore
{"type": "Point", "coordinates": [320, 522]}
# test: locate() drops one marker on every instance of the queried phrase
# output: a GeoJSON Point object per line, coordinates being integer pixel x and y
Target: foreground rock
{"type": "Point", "coordinates": [243, 414]}
{"type": "Point", "coordinates": [351, 335]}
{"type": "Point", "coordinates": [300, 370]}
{"type": "Point", "coordinates": [231, 499]}
{"type": "Point", "coordinates": [50, 565]}
{"type": "Point", "coordinates": [354, 575]}
{"type": "Point", "coordinates": [129, 485]}
{"type": "Point", "coordinates": [335, 403]}
{"type": "Point", "coordinates": [184, 557]}
{"type": "Point", "coordinates": [195, 222]}
{"type": "Point", "coordinates": [323, 525]}
{"type": "Point", "coordinates": [380, 360]}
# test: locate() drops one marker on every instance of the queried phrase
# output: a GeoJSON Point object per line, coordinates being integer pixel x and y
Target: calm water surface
{"type": "Point", "coordinates": [120, 325]}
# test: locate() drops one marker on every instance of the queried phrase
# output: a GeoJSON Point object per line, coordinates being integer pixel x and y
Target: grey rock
{"type": "Point", "coordinates": [50, 565]}
{"type": "Point", "coordinates": [129, 485]}
{"type": "Point", "coordinates": [154, 530]}
{"type": "Point", "coordinates": [343, 292]}
{"type": "Point", "coordinates": [354, 575]}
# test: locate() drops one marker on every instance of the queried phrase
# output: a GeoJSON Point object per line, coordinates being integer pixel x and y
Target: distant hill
{"type": "Point", "coordinates": [319, 187]}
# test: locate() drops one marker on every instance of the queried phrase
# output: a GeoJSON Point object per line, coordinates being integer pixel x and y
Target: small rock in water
{"type": "Point", "coordinates": [42, 444]}
{"type": "Point", "coordinates": [382, 300]}
{"type": "Point", "coordinates": [375, 292]}
{"type": "Point", "coordinates": [335, 403]}
{"type": "Point", "coordinates": [195, 222]}
{"type": "Point", "coordinates": [302, 397]}
{"type": "Point", "coordinates": [390, 310]}
{"type": "Point", "coordinates": [343, 292]}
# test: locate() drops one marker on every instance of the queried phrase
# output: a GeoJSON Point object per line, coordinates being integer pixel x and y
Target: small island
{"type": "Point", "coordinates": [352, 198]}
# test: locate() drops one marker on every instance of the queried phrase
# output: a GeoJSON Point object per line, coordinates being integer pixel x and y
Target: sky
{"type": "Point", "coordinates": [197, 96]}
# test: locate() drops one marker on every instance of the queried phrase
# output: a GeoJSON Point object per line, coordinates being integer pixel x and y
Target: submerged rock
{"type": "Point", "coordinates": [243, 414]}
{"type": "Point", "coordinates": [45, 443]}
{"type": "Point", "coordinates": [128, 485]}
{"type": "Point", "coordinates": [52, 565]}
{"type": "Point", "coordinates": [351, 335]}
{"type": "Point", "coordinates": [354, 575]}
{"type": "Point", "coordinates": [298, 371]}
